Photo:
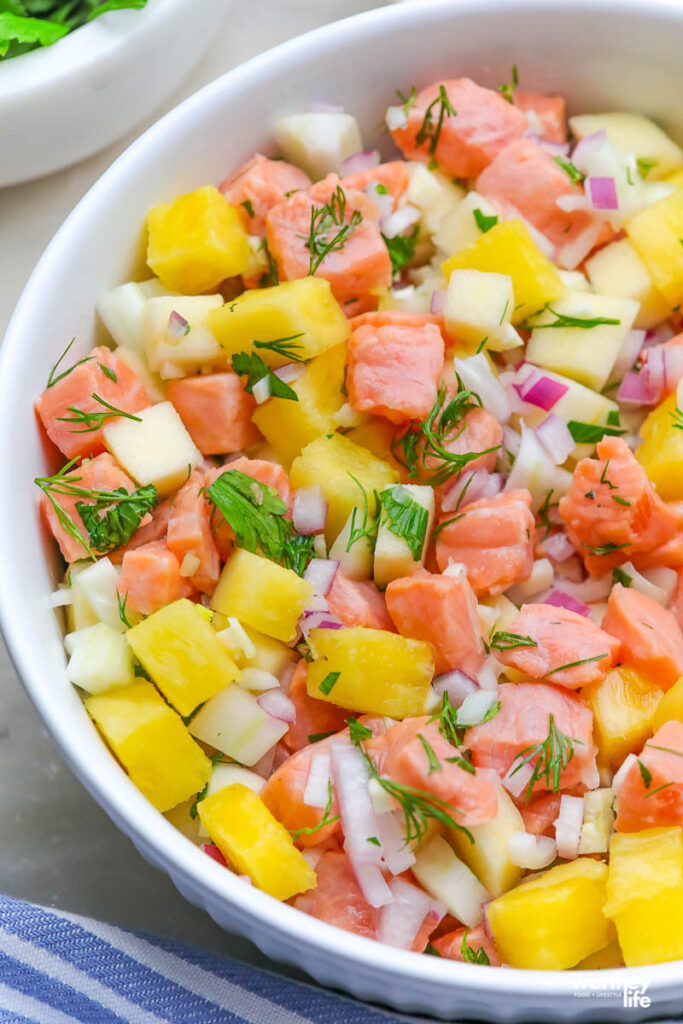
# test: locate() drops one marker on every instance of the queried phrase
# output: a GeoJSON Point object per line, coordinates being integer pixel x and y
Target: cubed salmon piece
{"type": "Point", "coordinates": [393, 371]}
{"type": "Point", "coordinates": [611, 510]}
{"type": "Point", "coordinates": [442, 610]}
{"type": "Point", "coordinates": [313, 717]}
{"type": "Point", "coordinates": [150, 578]}
{"type": "Point", "coordinates": [478, 431]}
{"type": "Point", "coordinates": [650, 637]}
{"type": "Point", "coordinates": [394, 317]}
{"type": "Point", "coordinates": [524, 177]}
{"type": "Point", "coordinates": [493, 539]}
{"type": "Point", "coordinates": [217, 412]}
{"type": "Point", "coordinates": [401, 755]}
{"type": "Point", "coordinates": [259, 185]}
{"type": "Point", "coordinates": [551, 640]}
{"type": "Point", "coordinates": [550, 111]}
{"type": "Point", "coordinates": [524, 721]}
{"type": "Point", "coordinates": [105, 375]}
{"type": "Point", "coordinates": [359, 603]}
{"type": "Point", "coordinates": [468, 141]}
{"type": "Point", "coordinates": [541, 814]}
{"type": "Point", "coordinates": [190, 537]}
{"type": "Point", "coordinates": [450, 945]}
{"type": "Point", "coordinates": [653, 798]}
{"type": "Point", "coordinates": [99, 474]}
{"type": "Point", "coordinates": [269, 473]}
{"type": "Point", "coordinates": [356, 268]}
{"type": "Point", "coordinates": [393, 176]}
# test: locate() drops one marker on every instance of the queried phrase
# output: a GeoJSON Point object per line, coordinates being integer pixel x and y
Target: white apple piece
{"type": "Point", "coordinates": [120, 309]}
{"type": "Point", "coordinates": [393, 555]}
{"type": "Point", "coordinates": [636, 134]}
{"type": "Point", "coordinates": [534, 469]}
{"type": "Point", "coordinates": [618, 270]}
{"type": "Point", "coordinates": [575, 281]}
{"type": "Point", "coordinates": [598, 821]}
{"type": "Point", "coordinates": [434, 194]}
{"type": "Point", "coordinates": [155, 448]}
{"type": "Point", "coordinates": [100, 658]}
{"type": "Point", "coordinates": [460, 227]}
{"type": "Point", "coordinates": [448, 879]}
{"type": "Point", "coordinates": [489, 856]}
{"type": "Point", "coordinates": [356, 563]}
{"type": "Point", "coordinates": [97, 583]}
{"type": "Point", "coordinates": [586, 354]}
{"type": "Point", "coordinates": [478, 307]}
{"type": "Point", "coordinates": [235, 723]}
{"type": "Point", "coordinates": [178, 337]}
{"type": "Point", "coordinates": [154, 385]}
{"type": "Point", "coordinates": [318, 142]}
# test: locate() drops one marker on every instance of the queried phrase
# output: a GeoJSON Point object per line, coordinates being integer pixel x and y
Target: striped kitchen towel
{"type": "Point", "coordinates": [57, 968]}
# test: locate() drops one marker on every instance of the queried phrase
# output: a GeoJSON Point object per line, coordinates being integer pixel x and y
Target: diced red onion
{"type": "Point", "coordinates": [318, 620]}
{"type": "Point", "coordinates": [475, 706]}
{"type": "Point", "coordinates": [602, 193]}
{"type": "Point", "coordinates": [534, 387]}
{"type": "Point", "coordinates": [317, 603]}
{"type": "Point", "coordinates": [261, 390]}
{"type": "Point", "coordinates": [402, 919]}
{"type": "Point", "coordinates": [594, 588]}
{"type": "Point", "coordinates": [215, 854]}
{"type": "Point", "coordinates": [317, 791]}
{"type": "Point", "coordinates": [516, 781]}
{"type": "Point", "coordinates": [437, 302]}
{"type": "Point", "coordinates": [531, 852]}
{"type": "Point", "coordinates": [321, 572]}
{"type": "Point", "coordinates": [177, 327]}
{"type": "Point", "coordinates": [665, 362]}
{"type": "Point", "coordinates": [399, 221]}
{"type": "Point", "coordinates": [568, 826]}
{"type": "Point", "coordinates": [278, 705]}
{"type": "Point", "coordinates": [571, 569]}
{"type": "Point", "coordinates": [309, 510]}
{"type": "Point", "coordinates": [570, 255]}
{"type": "Point", "coordinates": [326, 108]}
{"type": "Point", "coordinates": [559, 599]}
{"type": "Point", "coordinates": [587, 147]}
{"type": "Point", "coordinates": [572, 201]}
{"type": "Point", "coordinates": [396, 853]}
{"type": "Point", "coordinates": [556, 438]}
{"type": "Point", "coordinates": [476, 374]}
{"type": "Point", "coordinates": [512, 441]}
{"type": "Point", "coordinates": [638, 389]}
{"type": "Point", "coordinates": [384, 201]}
{"type": "Point", "coordinates": [558, 547]}
{"type": "Point", "coordinates": [456, 684]}
{"type": "Point", "coordinates": [629, 352]}
{"type": "Point", "coordinates": [556, 148]}
{"type": "Point", "coordinates": [289, 372]}
{"type": "Point", "coordinates": [472, 485]}
{"type": "Point", "coordinates": [358, 162]}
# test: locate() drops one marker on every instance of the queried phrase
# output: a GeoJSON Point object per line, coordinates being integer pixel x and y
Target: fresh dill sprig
{"type": "Point", "coordinates": [551, 757]}
{"type": "Point", "coordinates": [52, 379]}
{"type": "Point", "coordinates": [285, 347]}
{"type": "Point", "coordinates": [323, 220]}
{"type": "Point", "coordinates": [92, 421]}
{"type": "Point", "coordinates": [327, 819]}
{"type": "Point", "coordinates": [430, 129]}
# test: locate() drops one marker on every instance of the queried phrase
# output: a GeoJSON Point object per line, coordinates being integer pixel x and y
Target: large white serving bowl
{"type": "Point", "coordinates": [65, 102]}
{"type": "Point", "coordinates": [602, 54]}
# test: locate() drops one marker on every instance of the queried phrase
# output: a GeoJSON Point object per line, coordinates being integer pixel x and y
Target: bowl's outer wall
{"type": "Point", "coordinates": [619, 54]}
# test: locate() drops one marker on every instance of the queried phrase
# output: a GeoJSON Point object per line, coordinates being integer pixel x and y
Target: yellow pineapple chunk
{"type": "Point", "coordinates": [376, 672]}
{"type": "Point", "coordinates": [656, 232]}
{"type": "Point", "coordinates": [151, 743]}
{"type": "Point", "coordinates": [670, 706]}
{"type": "Point", "coordinates": [332, 463]}
{"type": "Point", "coordinates": [182, 654]}
{"type": "Point", "coordinates": [255, 843]}
{"type": "Point", "coordinates": [289, 426]}
{"type": "Point", "coordinates": [262, 594]}
{"type": "Point", "coordinates": [196, 241]}
{"type": "Point", "coordinates": [555, 920]}
{"type": "Point", "coordinates": [488, 855]}
{"type": "Point", "coordinates": [661, 453]}
{"type": "Point", "coordinates": [509, 249]}
{"type": "Point", "coordinates": [305, 307]}
{"type": "Point", "coordinates": [610, 956]}
{"type": "Point", "coordinates": [645, 894]}
{"type": "Point", "coordinates": [623, 706]}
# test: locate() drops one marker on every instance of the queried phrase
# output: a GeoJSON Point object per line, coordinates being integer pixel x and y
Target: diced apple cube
{"type": "Point", "coordinates": [478, 306]}
{"type": "Point", "coordinates": [633, 133]}
{"type": "Point", "coordinates": [575, 281]}
{"type": "Point", "coordinates": [100, 658]}
{"type": "Point", "coordinates": [618, 270]}
{"type": "Point", "coordinates": [233, 721]}
{"type": "Point", "coordinates": [155, 448]}
{"type": "Point", "coordinates": [448, 879]}
{"type": "Point", "coordinates": [488, 856]}
{"type": "Point", "coordinates": [188, 352]}
{"type": "Point", "coordinates": [394, 557]}
{"type": "Point", "coordinates": [460, 227]}
{"type": "Point", "coordinates": [318, 142]}
{"type": "Point", "coordinates": [154, 385]}
{"type": "Point", "coordinates": [598, 821]}
{"type": "Point", "coordinates": [355, 560]}
{"type": "Point", "coordinates": [121, 311]}
{"type": "Point", "coordinates": [97, 583]}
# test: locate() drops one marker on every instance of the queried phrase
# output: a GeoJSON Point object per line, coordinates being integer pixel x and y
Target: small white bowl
{"type": "Point", "coordinates": [62, 103]}
{"type": "Point", "coordinates": [603, 54]}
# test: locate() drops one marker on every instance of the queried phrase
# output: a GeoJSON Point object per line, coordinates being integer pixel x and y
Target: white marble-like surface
{"type": "Point", "coordinates": [58, 848]}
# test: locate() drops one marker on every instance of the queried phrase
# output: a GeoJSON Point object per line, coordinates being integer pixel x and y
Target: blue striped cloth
{"type": "Point", "coordinates": [57, 968]}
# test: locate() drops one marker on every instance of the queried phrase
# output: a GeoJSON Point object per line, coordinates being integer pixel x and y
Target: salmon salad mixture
{"type": "Point", "coordinates": [372, 510]}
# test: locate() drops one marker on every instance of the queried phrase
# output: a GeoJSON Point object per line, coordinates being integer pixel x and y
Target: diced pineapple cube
{"type": "Point", "coordinates": [554, 920]}
{"type": "Point", "coordinates": [661, 453]}
{"type": "Point", "coordinates": [584, 354]}
{"type": "Point", "coordinates": [609, 956]}
{"type": "Point", "coordinates": [478, 306]}
{"type": "Point", "coordinates": [645, 894]}
{"type": "Point", "coordinates": [305, 307]}
{"type": "Point", "coordinates": [598, 821]}
{"type": "Point", "coordinates": [100, 658]}
{"type": "Point", "coordinates": [509, 249]}
{"type": "Point", "coordinates": [355, 559]}
{"type": "Point", "coordinates": [675, 178]}
{"type": "Point", "coordinates": [448, 879]}
{"type": "Point", "coordinates": [182, 654]}
{"type": "Point", "coordinates": [262, 594]}
{"type": "Point", "coordinates": [332, 462]}
{"type": "Point", "coordinates": [197, 348]}
{"type": "Point", "coordinates": [376, 435]}
{"type": "Point", "coordinates": [633, 133]}
{"type": "Point", "coordinates": [460, 227]}
{"type": "Point", "coordinates": [289, 426]}
{"type": "Point", "coordinates": [151, 742]}
{"type": "Point", "coordinates": [394, 556]}
{"type": "Point", "coordinates": [196, 241]}
{"type": "Point", "coordinates": [623, 706]}
{"type": "Point", "coordinates": [670, 706]}
{"type": "Point", "coordinates": [488, 855]}
{"type": "Point", "coordinates": [377, 672]}
{"type": "Point", "coordinates": [155, 448]}
{"type": "Point", "coordinates": [228, 774]}
{"type": "Point", "coordinates": [120, 310]}
{"type": "Point", "coordinates": [255, 843]}
{"type": "Point", "coordinates": [318, 141]}
{"type": "Point", "coordinates": [618, 270]}
{"type": "Point", "coordinates": [656, 233]}
{"type": "Point", "coordinates": [154, 385]}
{"type": "Point", "coordinates": [234, 722]}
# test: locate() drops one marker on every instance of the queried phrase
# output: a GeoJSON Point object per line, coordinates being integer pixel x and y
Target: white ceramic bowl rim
{"type": "Point", "coordinates": [123, 802]}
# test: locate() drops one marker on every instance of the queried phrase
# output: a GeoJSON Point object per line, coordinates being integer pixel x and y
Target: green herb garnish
{"type": "Point", "coordinates": [677, 417]}
{"type": "Point", "coordinates": [551, 758]}
{"type": "Point", "coordinates": [574, 174]}
{"type": "Point", "coordinates": [428, 129]}
{"type": "Point", "coordinates": [30, 24]}
{"type": "Point", "coordinates": [52, 380]}
{"type": "Point", "coordinates": [432, 759]}
{"type": "Point", "coordinates": [326, 819]}
{"type": "Point", "coordinates": [369, 525]}
{"type": "Point", "coordinates": [469, 955]}
{"type": "Point", "coordinates": [249, 207]}
{"type": "Point", "coordinates": [483, 222]}
{"type": "Point", "coordinates": [645, 166]}
{"type": "Point", "coordinates": [285, 347]}
{"type": "Point", "coordinates": [328, 683]}
{"type": "Point", "coordinates": [407, 518]}
{"type": "Point", "coordinates": [645, 774]}
{"type": "Point", "coordinates": [605, 549]}
{"type": "Point", "coordinates": [591, 433]}
{"type": "Point", "coordinates": [619, 576]}
{"type": "Point", "coordinates": [323, 220]}
{"type": "Point", "coordinates": [503, 641]}
{"type": "Point", "coordinates": [575, 664]}
{"type": "Point", "coordinates": [270, 277]}
{"type": "Point", "coordinates": [507, 90]}
{"type": "Point", "coordinates": [87, 422]}
{"type": "Point", "coordinates": [251, 366]}
{"type": "Point", "coordinates": [584, 323]}
{"type": "Point", "coordinates": [401, 250]}
{"type": "Point", "coordinates": [112, 519]}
